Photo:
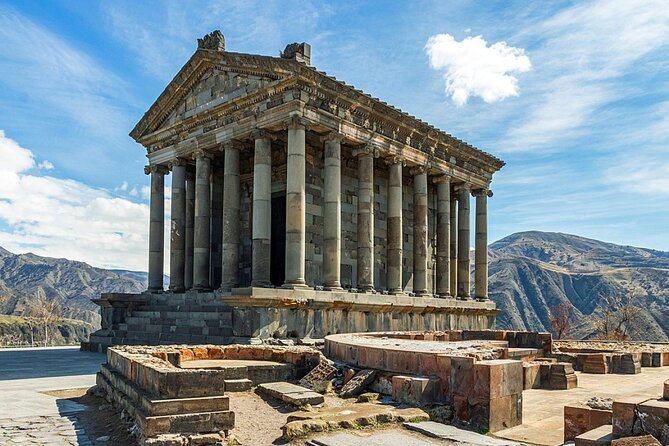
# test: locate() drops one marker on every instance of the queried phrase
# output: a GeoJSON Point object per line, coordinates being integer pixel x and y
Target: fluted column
{"type": "Point", "coordinates": [295, 204]}
{"type": "Point", "coordinates": [443, 272]}
{"type": "Point", "coordinates": [201, 242]}
{"type": "Point", "coordinates": [365, 218]}
{"type": "Point", "coordinates": [231, 204]}
{"type": "Point", "coordinates": [420, 231]}
{"type": "Point", "coordinates": [178, 226]}
{"type": "Point", "coordinates": [190, 229]}
{"type": "Point", "coordinates": [463, 241]}
{"type": "Point", "coordinates": [156, 226]}
{"type": "Point", "coordinates": [262, 209]}
{"type": "Point", "coordinates": [332, 213]}
{"type": "Point", "coordinates": [481, 245]}
{"type": "Point", "coordinates": [394, 232]}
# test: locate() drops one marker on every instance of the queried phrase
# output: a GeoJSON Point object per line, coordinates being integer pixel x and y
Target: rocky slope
{"type": "Point", "coordinates": [530, 272]}
{"type": "Point", "coordinates": [73, 284]}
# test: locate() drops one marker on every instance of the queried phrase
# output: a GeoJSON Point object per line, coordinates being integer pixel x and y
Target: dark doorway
{"type": "Point", "coordinates": [277, 271]}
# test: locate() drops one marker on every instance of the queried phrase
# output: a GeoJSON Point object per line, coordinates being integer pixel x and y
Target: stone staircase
{"type": "Point", "coordinates": [175, 319]}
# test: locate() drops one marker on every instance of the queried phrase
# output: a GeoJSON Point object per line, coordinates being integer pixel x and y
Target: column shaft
{"type": "Point", "coordinates": [332, 214]}
{"type": "Point", "coordinates": [463, 242]}
{"type": "Point", "coordinates": [216, 238]}
{"type": "Point", "coordinates": [231, 203]}
{"type": "Point", "coordinates": [443, 237]}
{"type": "Point", "coordinates": [295, 206]}
{"type": "Point", "coordinates": [481, 246]}
{"type": "Point", "coordinates": [420, 242]}
{"type": "Point", "coordinates": [190, 226]}
{"type": "Point", "coordinates": [454, 245]}
{"type": "Point", "coordinates": [178, 227]}
{"type": "Point", "coordinates": [394, 232]}
{"type": "Point", "coordinates": [366, 220]}
{"type": "Point", "coordinates": [202, 227]}
{"type": "Point", "coordinates": [156, 227]}
{"type": "Point", "coordinates": [262, 211]}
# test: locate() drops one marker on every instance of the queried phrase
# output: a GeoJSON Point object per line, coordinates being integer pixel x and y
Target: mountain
{"type": "Point", "coordinates": [72, 283]}
{"type": "Point", "coordinates": [532, 272]}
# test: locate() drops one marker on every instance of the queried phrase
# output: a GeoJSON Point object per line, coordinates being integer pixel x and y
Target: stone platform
{"type": "Point", "coordinates": [247, 315]}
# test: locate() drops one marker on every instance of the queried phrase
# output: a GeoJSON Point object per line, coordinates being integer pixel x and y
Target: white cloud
{"type": "Point", "coordinates": [46, 165]}
{"type": "Point", "coordinates": [123, 187]}
{"type": "Point", "coordinates": [66, 218]}
{"type": "Point", "coordinates": [133, 192]}
{"type": "Point", "coordinates": [472, 68]}
{"type": "Point", "coordinates": [146, 192]}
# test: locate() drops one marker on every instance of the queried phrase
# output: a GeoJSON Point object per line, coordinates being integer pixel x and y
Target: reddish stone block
{"type": "Point", "coordinates": [444, 372]}
{"type": "Point", "coordinates": [497, 378]}
{"type": "Point", "coordinates": [665, 392]}
{"type": "Point", "coordinates": [579, 418]}
{"type": "Point", "coordinates": [655, 416]}
{"type": "Point", "coordinates": [427, 364]}
{"type": "Point", "coordinates": [187, 355]}
{"type": "Point", "coordinates": [462, 375]}
{"type": "Point", "coordinates": [201, 352]}
{"type": "Point", "coordinates": [216, 353]}
{"type": "Point", "coordinates": [624, 415]}
{"type": "Point", "coordinates": [531, 376]}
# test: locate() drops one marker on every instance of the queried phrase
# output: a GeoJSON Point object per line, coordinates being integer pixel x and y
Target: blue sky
{"type": "Point", "coordinates": [574, 96]}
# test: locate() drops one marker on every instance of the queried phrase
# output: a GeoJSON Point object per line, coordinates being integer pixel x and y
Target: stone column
{"type": "Point", "coordinates": [394, 232]}
{"type": "Point", "coordinates": [190, 226]}
{"type": "Point", "coordinates": [156, 226]}
{"type": "Point", "coordinates": [332, 213]}
{"type": "Point", "coordinates": [463, 241]}
{"type": "Point", "coordinates": [201, 230]}
{"type": "Point", "coordinates": [295, 204]}
{"type": "Point", "coordinates": [443, 272]}
{"type": "Point", "coordinates": [231, 204]}
{"type": "Point", "coordinates": [216, 238]}
{"type": "Point", "coordinates": [262, 209]}
{"type": "Point", "coordinates": [365, 218]}
{"type": "Point", "coordinates": [420, 242]}
{"type": "Point", "coordinates": [454, 244]}
{"type": "Point", "coordinates": [481, 245]}
{"type": "Point", "coordinates": [178, 226]}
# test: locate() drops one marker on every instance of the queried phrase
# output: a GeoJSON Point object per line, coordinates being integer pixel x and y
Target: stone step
{"type": "Point", "coordinates": [237, 385]}
{"type": "Point", "coordinates": [291, 393]}
{"type": "Point", "coordinates": [600, 436]}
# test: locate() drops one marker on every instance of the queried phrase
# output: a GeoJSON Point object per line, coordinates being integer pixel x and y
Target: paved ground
{"type": "Point", "coordinates": [28, 414]}
{"type": "Point", "coordinates": [543, 409]}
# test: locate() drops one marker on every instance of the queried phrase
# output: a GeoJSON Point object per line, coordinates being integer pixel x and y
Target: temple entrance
{"type": "Point", "coordinates": [277, 273]}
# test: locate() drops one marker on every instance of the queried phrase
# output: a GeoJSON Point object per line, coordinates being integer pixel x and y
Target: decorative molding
{"type": "Point", "coordinates": [177, 162]}
{"type": "Point", "coordinates": [482, 192]}
{"type": "Point", "coordinates": [156, 168]}
{"type": "Point", "coordinates": [441, 179]}
{"type": "Point", "coordinates": [199, 153]}
{"type": "Point", "coordinates": [333, 136]}
{"type": "Point", "coordinates": [294, 122]}
{"type": "Point", "coordinates": [213, 41]}
{"type": "Point", "coordinates": [395, 159]}
{"type": "Point", "coordinates": [366, 149]}
{"type": "Point", "coordinates": [231, 144]}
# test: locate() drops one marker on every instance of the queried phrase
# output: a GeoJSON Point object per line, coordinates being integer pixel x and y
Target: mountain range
{"type": "Point", "coordinates": [530, 274]}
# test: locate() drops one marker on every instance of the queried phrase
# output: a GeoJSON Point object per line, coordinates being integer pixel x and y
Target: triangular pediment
{"type": "Point", "coordinates": [207, 81]}
{"type": "Point", "coordinates": [215, 87]}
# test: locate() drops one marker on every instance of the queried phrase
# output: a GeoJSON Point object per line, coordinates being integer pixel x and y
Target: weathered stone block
{"type": "Point", "coordinates": [600, 436]}
{"type": "Point", "coordinates": [642, 440]}
{"type": "Point", "coordinates": [531, 376]}
{"type": "Point", "coordinates": [654, 416]}
{"type": "Point", "coordinates": [579, 418]}
{"type": "Point", "coordinates": [625, 416]}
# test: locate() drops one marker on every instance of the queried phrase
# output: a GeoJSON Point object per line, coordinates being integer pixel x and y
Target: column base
{"type": "Point", "coordinates": [333, 287]}
{"type": "Point", "coordinates": [177, 289]}
{"type": "Point", "coordinates": [294, 285]}
{"type": "Point", "coordinates": [397, 292]}
{"type": "Point", "coordinates": [420, 293]}
{"type": "Point", "coordinates": [154, 291]}
{"type": "Point", "coordinates": [444, 296]}
{"type": "Point", "coordinates": [198, 289]}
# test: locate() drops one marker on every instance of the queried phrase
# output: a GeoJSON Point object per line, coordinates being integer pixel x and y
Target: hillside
{"type": "Point", "coordinates": [72, 283]}
{"type": "Point", "coordinates": [530, 272]}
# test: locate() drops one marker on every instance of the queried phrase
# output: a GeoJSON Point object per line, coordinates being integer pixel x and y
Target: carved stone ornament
{"type": "Point", "coordinates": [212, 41]}
{"type": "Point", "coordinates": [156, 168]}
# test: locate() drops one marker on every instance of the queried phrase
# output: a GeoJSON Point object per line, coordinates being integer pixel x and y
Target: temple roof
{"type": "Point", "coordinates": [293, 65]}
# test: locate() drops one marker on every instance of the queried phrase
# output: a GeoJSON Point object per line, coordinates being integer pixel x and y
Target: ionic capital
{"type": "Point", "coordinates": [295, 122]}
{"type": "Point", "coordinates": [333, 137]}
{"type": "Point", "coordinates": [156, 168]}
{"type": "Point", "coordinates": [395, 159]}
{"type": "Point", "coordinates": [418, 170]}
{"type": "Point", "coordinates": [202, 154]}
{"type": "Point", "coordinates": [462, 186]}
{"type": "Point", "coordinates": [366, 149]}
{"type": "Point", "coordinates": [231, 144]}
{"type": "Point", "coordinates": [258, 133]}
{"type": "Point", "coordinates": [482, 192]}
{"type": "Point", "coordinates": [441, 179]}
{"type": "Point", "coordinates": [177, 162]}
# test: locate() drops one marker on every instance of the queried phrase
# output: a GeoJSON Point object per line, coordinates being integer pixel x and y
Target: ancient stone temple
{"type": "Point", "coordinates": [301, 206]}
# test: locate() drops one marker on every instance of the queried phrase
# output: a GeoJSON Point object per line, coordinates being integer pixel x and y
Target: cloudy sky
{"type": "Point", "coordinates": [574, 96]}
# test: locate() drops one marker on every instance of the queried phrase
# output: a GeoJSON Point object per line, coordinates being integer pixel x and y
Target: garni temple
{"type": "Point", "coordinates": [300, 207]}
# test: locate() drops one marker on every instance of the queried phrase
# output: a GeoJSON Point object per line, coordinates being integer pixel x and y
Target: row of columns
{"type": "Point", "coordinates": [191, 220]}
